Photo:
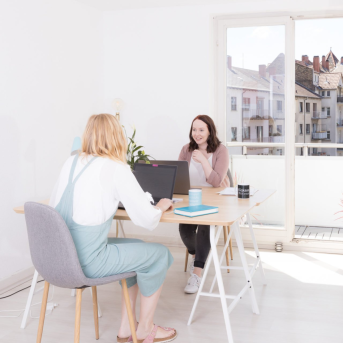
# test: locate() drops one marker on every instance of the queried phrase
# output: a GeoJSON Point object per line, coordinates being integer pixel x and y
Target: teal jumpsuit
{"type": "Point", "coordinates": [100, 256]}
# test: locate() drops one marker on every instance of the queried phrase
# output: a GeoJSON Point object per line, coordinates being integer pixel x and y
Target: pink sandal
{"type": "Point", "coordinates": [151, 337]}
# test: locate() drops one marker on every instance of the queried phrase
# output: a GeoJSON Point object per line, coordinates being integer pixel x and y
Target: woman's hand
{"type": "Point", "coordinates": [198, 156]}
{"type": "Point", "coordinates": [165, 205]}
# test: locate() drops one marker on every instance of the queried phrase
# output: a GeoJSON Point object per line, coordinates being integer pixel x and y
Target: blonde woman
{"type": "Point", "coordinates": [87, 194]}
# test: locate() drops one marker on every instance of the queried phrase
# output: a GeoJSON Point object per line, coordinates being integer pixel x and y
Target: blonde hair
{"type": "Point", "coordinates": [104, 136]}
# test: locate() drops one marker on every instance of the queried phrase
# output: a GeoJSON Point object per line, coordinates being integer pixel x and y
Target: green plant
{"type": "Point", "coordinates": [135, 152]}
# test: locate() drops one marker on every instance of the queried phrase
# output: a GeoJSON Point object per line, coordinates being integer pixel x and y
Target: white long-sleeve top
{"type": "Point", "coordinates": [100, 188]}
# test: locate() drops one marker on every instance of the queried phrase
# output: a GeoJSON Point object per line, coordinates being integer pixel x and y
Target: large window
{"type": "Point", "coordinates": [284, 67]}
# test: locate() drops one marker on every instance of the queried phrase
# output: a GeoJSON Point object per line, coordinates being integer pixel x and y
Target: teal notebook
{"type": "Point", "coordinates": [194, 211]}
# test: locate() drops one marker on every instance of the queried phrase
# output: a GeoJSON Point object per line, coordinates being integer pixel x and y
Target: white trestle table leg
{"type": "Point", "coordinates": [258, 256]}
{"type": "Point", "coordinates": [220, 284]}
{"type": "Point", "coordinates": [226, 246]}
{"type": "Point", "coordinates": [207, 267]}
{"type": "Point", "coordinates": [29, 300]}
{"type": "Point", "coordinates": [248, 277]}
{"type": "Point", "coordinates": [73, 292]}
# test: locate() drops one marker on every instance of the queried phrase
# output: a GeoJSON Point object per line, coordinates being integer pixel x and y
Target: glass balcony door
{"type": "Point", "coordinates": [253, 67]}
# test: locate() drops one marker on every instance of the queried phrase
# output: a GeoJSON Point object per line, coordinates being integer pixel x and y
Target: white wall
{"type": "Point", "coordinates": [158, 61]}
{"type": "Point", "coordinates": [51, 81]}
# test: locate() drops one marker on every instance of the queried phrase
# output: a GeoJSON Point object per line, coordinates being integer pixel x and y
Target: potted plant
{"type": "Point", "coordinates": [135, 152]}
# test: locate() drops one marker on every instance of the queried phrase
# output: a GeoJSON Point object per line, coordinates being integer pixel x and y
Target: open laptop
{"type": "Point", "coordinates": [182, 183]}
{"type": "Point", "coordinates": [158, 180]}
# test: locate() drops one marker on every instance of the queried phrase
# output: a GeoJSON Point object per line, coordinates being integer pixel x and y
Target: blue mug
{"type": "Point", "coordinates": [195, 197]}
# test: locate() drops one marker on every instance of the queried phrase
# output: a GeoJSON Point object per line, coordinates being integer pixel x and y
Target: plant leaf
{"type": "Point", "coordinates": [137, 148]}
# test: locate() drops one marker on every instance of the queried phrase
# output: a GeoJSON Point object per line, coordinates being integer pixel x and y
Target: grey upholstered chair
{"type": "Point", "coordinates": [226, 230]}
{"type": "Point", "coordinates": [55, 258]}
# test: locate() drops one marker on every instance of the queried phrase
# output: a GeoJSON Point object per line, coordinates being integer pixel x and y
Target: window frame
{"type": "Point", "coordinates": [244, 107]}
{"type": "Point", "coordinates": [233, 104]}
{"type": "Point", "coordinates": [308, 126]}
{"type": "Point", "coordinates": [309, 107]}
{"type": "Point", "coordinates": [246, 129]}
{"type": "Point", "coordinates": [218, 99]}
{"type": "Point", "coordinates": [277, 105]}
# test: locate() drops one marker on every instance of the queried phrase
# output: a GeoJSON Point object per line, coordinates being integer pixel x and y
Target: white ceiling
{"type": "Point", "coordinates": [130, 4]}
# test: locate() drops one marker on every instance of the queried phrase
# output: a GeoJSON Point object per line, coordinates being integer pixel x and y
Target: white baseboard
{"type": "Point", "coordinates": [16, 279]}
{"type": "Point", "coordinates": [316, 247]}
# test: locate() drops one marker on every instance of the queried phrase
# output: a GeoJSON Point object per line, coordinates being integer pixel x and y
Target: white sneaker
{"type": "Point", "coordinates": [191, 265]}
{"type": "Point", "coordinates": [193, 284]}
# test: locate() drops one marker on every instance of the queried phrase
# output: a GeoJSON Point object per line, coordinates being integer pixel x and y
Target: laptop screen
{"type": "Point", "coordinates": [158, 180]}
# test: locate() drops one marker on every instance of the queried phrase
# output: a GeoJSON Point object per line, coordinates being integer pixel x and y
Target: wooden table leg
{"type": "Point", "coordinates": [186, 259]}
{"type": "Point", "coordinates": [231, 253]}
{"type": "Point", "coordinates": [227, 250]}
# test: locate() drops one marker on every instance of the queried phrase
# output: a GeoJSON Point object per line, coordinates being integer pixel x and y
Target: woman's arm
{"type": "Point", "coordinates": [216, 175]}
{"type": "Point", "coordinates": [135, 201]}
{"type": "Point", "coordinates": [199, 157]}
{"type": "Point", "coordinates": [221, 167]}
{"type": "Point", "coordinates": [183, 153]}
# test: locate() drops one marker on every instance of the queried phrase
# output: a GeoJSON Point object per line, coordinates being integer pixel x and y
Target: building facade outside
{"type": "Point", "coordinates": [255, 105]}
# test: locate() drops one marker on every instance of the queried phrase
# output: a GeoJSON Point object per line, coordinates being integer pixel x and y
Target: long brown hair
{"type": "Point", "coordinates": [212, 140]}
{"type": "Point", "coordinates": [104, 136]}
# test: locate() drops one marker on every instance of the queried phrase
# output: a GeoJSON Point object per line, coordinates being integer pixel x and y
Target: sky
{"type": "Point", "coordinates": [251, 46]}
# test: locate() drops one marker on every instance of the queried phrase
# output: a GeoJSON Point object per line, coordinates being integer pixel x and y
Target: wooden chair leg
{"type": "Point", "coordinates": [230, 245]}
{"type": "Point", "coordinates": [42, 311]}
{"type": "Point", "coordinates": [227, 250]}
{"type": "Point", "coordinates": [78, 315]}
{"type": "Point", "coordinates": [186, 259]}
{"type": "Point", "coordinates": [117, 229]}
{"type": "Point", "coordinates": [129, 311]}
{"type": "Point", "coordinates": [95, 311]}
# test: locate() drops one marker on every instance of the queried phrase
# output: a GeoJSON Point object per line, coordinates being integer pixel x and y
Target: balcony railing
{"type": "Point", "coordinates": [253, 168]}
{"type": "Point", "coordinates": [319, 115]}
{"type": "Point", "coordinates": [319, 135]}
{"type": "Point", "coordinates": [340, 99]}
{"type": "Point", "coordinates": [254, 114]}
{"type": "Point", "coordinates": [278, 115]}
{"type": "Point", "coordinates": [271, 139]}
{"type": "Point", "coordinates": [339, 122]}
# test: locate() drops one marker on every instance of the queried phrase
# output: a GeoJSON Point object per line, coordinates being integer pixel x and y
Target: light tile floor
{"type": "Point", "coordinates": [302, 303]}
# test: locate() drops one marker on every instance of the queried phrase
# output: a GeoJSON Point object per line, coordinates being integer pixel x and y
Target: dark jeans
{"type": "Point", "coordinates": [197, 242]}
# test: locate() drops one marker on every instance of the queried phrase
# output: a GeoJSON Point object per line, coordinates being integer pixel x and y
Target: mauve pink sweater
{"type": "Point", "coordinates": [220, 165]}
